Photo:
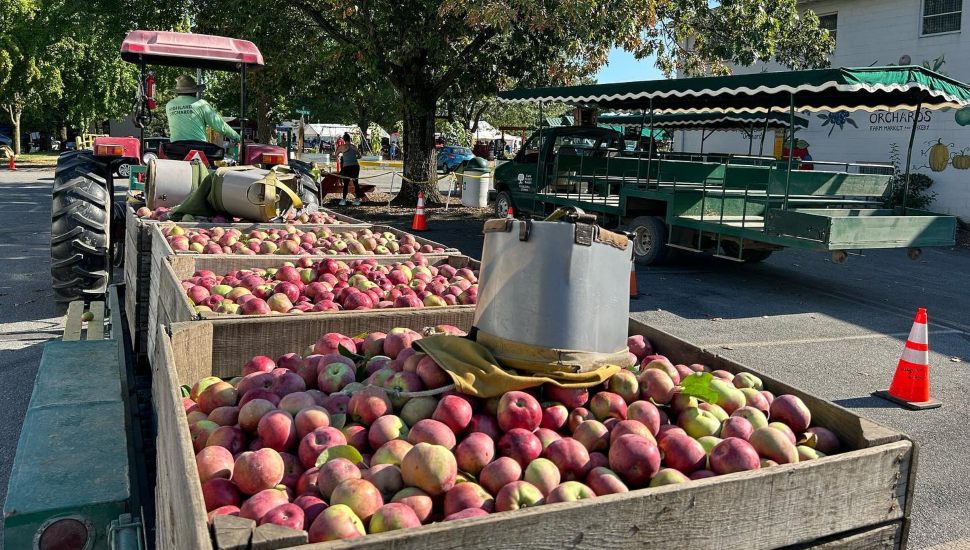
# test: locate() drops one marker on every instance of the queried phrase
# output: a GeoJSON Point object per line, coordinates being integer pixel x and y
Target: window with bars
{"type": "Point", "coordinates": [829, 22]}
{"type": "Point", "coordinates": [941, 16]}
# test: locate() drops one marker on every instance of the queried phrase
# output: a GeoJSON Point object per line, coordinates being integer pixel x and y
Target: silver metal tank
{"type": "Point", "coordinates": [560, 284]}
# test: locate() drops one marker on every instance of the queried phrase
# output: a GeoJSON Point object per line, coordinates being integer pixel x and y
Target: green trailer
{"type": "Point", "coordinates": [740, 207]}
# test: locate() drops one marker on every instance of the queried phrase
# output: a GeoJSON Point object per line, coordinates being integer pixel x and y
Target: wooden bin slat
{"type": "Point", "coordinates": [856, 499]}
{"type": "Point", "coordinates": [180, 515]}
{"type": "Point", "coordinates": [166, 249]}
{"type": "Point", "coordinates": [168, 303]}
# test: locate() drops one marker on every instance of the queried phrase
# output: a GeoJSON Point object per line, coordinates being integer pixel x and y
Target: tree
{"type": "Point", "coordinates": [60, 57]}
{"type": "Point", "coordinates": [424, 48]}
{"type": "Point", "coordinates": [27, 72]}
{"type": "Point", "coordinates": [294, 57]}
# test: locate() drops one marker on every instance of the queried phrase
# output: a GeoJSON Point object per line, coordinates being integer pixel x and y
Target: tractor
{"type": "Point", "coordinates": [87, 225]}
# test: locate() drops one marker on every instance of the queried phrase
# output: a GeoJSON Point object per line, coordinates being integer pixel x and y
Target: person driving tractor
{"type": "Point", "coordinates": [189, 116]}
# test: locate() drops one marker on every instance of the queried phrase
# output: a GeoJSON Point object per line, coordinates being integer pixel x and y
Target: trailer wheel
{"type": "Point", "coordinates": [80, 229]}
{"type": "Point", "coordinates": [749, 255]}
{"type": "Point", "coordinates": [649, 240]}
{"type": "Point", "coordinates": [914, 252]}
{"type": "Point", "coordinates": [839, 256]}
{"type": "Point", "coordinates": [503, 202]}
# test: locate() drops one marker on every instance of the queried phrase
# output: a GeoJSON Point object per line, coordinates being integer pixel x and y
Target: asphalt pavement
{"type": "Point", "coordinates": [832, 330]}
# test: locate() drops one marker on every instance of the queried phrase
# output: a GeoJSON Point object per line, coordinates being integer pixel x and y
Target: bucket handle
{"type": "Point", "coordinates": [571, 214]}
{"type": "Point", "coordinates": [272, 181]}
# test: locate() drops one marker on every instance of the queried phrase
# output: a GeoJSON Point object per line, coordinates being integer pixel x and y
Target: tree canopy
{"type": "Point", "coordinates": [385, 60]}
{"type": "Point", "coordinates": [428, 49]}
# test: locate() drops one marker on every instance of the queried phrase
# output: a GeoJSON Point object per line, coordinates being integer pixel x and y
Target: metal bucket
{"type": "Point", "coordinates": [253, 193]}
{"type": "Point", "coordinates": [169, 182]}
{"type": "Point", "coordinates": [555, 284]}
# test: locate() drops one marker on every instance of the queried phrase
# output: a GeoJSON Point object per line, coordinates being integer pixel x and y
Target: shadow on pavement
{"type": "Point", "coordinates": [865, 402]}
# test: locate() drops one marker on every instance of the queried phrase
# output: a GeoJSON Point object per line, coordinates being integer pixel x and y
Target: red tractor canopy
{"type": "Point", "coordinates": [179, 49]}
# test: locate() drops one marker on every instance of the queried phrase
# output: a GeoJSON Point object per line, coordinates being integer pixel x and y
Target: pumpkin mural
{"type": "Point", "coordinates": [939, 156]}
{"type": "Point", "coordinates": [961, 161]}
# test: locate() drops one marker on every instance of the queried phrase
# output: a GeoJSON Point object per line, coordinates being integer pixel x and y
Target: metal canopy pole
{"type": "Point", "coordinates": [761, 148]}
{"type": "Point", "coordinates": [651, 148]}
{"type": "Point", "coordinates": [909, 155]}
{"type": "Point", "coordinates": [791, 144]}
{"type": "Point", "coordinates": [704, 135]}
{"type": "Point", "coordinates": [643, 118]}
{"type": "Point", "coordinates": [751, 139]}
{"type": "Point", "coordinates": [242, 115]}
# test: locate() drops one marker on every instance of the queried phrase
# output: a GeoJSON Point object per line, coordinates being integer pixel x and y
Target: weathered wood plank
{"type": "Point", "coordinates": [770, 508]}
{"type": "Point", "coordinates": [180, 511]}
{"type": "Point", "coordinates": [884, 536]}
{"type": "Point", "coordinates": [72, 322]}
{"type": "Point", "coordinates": [232, 532]}
{"type": "Point", "coordinates": [273, 537]}
{"type": "Point", "coordinates": [96, 324]}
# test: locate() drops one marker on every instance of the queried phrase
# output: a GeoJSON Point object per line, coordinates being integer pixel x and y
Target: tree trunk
{"type": "Point", "coordinates": [419, 153]}
{"type": "Point", "coordinates": [364, 142]}
{"type": "Point", "coordinates": [62, 134]}
{"type": "Point", "coordinates": [15, 112]}
{"type": "Point", "coordinates": [264, 126]}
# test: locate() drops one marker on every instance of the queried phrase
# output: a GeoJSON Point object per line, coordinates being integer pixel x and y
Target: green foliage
{"type": "Point", "coordinates": [433, 49]}
{"type": "Point", "coordinates": [454, 133]}
{"type": "Point", "coordinates": [374, 131]}
{"type": "Point", "coordinates": [919, 195]}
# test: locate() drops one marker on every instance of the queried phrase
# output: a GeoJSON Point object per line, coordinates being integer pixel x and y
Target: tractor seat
{"type": "Point", "coordinates": [176, 150]}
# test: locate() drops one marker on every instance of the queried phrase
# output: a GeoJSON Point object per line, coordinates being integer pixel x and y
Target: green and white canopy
{"type": "Point", "coordinates": [703, 121]}
{"type": "Point", "coordinates": [841, 89]}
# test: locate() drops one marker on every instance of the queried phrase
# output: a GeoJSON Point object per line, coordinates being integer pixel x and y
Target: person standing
{"type": "Point", "coordinates": [336, 147]}
{"type": "Point", "coordinates": [347, 155]}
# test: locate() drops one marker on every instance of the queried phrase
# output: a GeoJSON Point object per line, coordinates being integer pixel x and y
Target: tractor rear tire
{"type": "Point", "coordinates": [81, 211]}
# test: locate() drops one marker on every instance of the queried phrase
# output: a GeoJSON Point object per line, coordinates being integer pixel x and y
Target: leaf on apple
{"type": "Point", "coordinates": [339, 451]}
{"type": "Point", "coordinates": [699, 385]}
{"type": "Point", "coordinates": [349, 354]}
{"type": "Point", "coordinates": [185, 390]}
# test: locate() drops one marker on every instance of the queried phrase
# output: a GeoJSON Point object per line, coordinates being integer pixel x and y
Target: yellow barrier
{"type": "Point", "coordinates": [381, 163]}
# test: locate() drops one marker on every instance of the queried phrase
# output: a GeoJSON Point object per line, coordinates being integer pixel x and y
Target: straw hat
{"type": "Point", "coordinates": [185, 84]}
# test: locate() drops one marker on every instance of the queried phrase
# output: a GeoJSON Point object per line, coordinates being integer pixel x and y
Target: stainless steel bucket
{"type": "Point", "coordinates": [556, 284]}
{"type": "Point", "coordinates": [169, 182]}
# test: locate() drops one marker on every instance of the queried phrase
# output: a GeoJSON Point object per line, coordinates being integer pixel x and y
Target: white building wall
{"type": "Point", "coordinates": [879, 32]}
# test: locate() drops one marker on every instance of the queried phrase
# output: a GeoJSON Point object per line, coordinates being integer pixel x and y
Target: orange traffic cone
{"type": "Point", "coordinates": [510, 215]}
{"type": "Point", "coordinates": [634, 294]}
{"type": "Point", "coordinates": [911, 383]}
{"type": "Point", "coordinates": [420, 223]}
{"type": "Point", "coordinates": [12, 167]}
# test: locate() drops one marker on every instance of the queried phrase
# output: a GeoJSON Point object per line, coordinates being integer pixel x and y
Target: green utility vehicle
{"type": "Point", "coordinates": [737, 207]}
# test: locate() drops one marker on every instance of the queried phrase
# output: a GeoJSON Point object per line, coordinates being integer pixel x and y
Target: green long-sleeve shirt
{"type": "Point", "coordinates": [188, 117]}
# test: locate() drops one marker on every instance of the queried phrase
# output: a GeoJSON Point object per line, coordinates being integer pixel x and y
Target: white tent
{"type": "Point", "coordinates": [487, 132]}
{"type": "Point", "coordinates": [329, 132]}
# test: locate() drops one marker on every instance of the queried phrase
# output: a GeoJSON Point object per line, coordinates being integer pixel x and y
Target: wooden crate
{"type": "Point", "coordinates": [138, 265]}
{"type": "Point", "coordinates": [212, 347]}
{"type": "Point", "coordinates": [168, 303]}
{"type": "Point", "coordinates": [857, 499]}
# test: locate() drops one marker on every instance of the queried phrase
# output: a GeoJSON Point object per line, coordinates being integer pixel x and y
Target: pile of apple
{"type": "Point", "coordinates": [292, 216]}
{"type": "Point", "coordinates": [290, 240]}
{"type": "Point", "coordinates": [340, 445]}
{"type": "Point", "coordinates": [332, 285]}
